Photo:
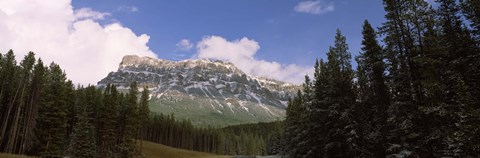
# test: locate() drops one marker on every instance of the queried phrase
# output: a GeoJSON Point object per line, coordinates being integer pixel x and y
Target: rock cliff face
{"type": "Point", "coordinates": [206, 92]}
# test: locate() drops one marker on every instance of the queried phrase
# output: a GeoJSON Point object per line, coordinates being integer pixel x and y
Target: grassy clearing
{"type": "Point", "coordinates": [153, 150]}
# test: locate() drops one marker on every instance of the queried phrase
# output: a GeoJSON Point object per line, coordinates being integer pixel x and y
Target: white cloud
{"type": "Point", "coordinates": [242, 53]}
{"type": "Point", "coordinates": [88, 13]}
{"type": "Point", "coordinates": [184, 45]}
{"type": "Point", "coordinates": [130, 9]}
{"type": "Point", "coordinates": [314, 7]}
{"type": "Point", "coordinates": [87, 50]}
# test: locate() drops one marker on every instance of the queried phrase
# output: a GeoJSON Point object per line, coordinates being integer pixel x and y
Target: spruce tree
{"type": "Point", "coordinates": [143, 114]}
{"type": "Point", "coordinates": [461, 81]}
{"type": "Point", "coordinates": [374, 95]}
{"type": "Point", "coordinates": [340, 99]}
{"type": "Point", "coordinates": [11, 126]}
{"type": "Point", "coordinates": [32, 106]}
{"type": "Point", "coordinates": [82, 142]}
{"type": "Point", "coordinates": [71, 111]}
{"type": "Point", "coordinates": [404, 48]}
{"type": "Point", "coordinates": [293, 125]}
{"type": "Point", "coordinates": [314, 117]}
{"type": "Point", "coordinates": [107, 121]}
{"type": "Point", "coordinates": [51, 123]}
{"type": "Point", "coordinates": [130, 116]}
{"type": "Point", "coordinates": [7, 91]}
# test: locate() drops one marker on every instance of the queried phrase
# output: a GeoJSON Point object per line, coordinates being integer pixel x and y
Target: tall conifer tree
{"type": "Point", "coordinates": [375, 97]}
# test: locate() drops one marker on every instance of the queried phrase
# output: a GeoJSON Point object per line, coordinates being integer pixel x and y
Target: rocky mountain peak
{"type": "Point", "coordinates": [202, 88]}
{"type": "Point", "coordinates": [136, 61]}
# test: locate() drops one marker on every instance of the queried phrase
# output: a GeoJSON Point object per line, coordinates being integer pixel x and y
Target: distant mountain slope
{"type": "Point", "coordinates": [207, 92]}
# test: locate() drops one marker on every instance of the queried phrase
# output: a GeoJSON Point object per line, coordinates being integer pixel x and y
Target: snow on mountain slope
{"type": "Point", "coordinates": [206, 92]}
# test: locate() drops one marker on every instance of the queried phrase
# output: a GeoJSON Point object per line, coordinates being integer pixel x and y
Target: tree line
{"type": "Point", "coordinates": [245, 139]}
{"type": "Point", "coordinates": [414, 94]}
{"type": "Point", "coordinates": [165, 129]}
{"type": "Point", "coordinates": [43, 114]}
{"type": "Point", "coordinates": [251, 139]}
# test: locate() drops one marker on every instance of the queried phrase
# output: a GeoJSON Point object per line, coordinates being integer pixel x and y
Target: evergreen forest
{"type": "Point", "coordinates": [414, 92]}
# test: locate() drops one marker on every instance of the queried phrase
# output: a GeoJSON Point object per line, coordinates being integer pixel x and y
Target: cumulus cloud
{"type": "Point", "coordinates": [86, 49]}
{"type": "Point", "coordinates": [184, 45]}
{"type": "Point", "coordinates": [241, 52]}
{"type": "Point", "coordinates": [314, 7]}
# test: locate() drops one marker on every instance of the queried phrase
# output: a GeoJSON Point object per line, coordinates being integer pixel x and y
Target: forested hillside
{"type": "Point", "coordinates": [414, 94]}
{"type": "Point", "coordinates": [43, 114]}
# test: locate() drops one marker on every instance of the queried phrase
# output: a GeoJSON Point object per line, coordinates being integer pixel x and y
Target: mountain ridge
{"type": "Point", "coordinates": [216, 91]}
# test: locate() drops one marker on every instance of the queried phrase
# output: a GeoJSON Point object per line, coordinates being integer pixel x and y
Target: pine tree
{"type": "Point", "coordinates": [82, 143]}
{"type": "Point", "coordinates": [32, 106]}
{"type": "Point", "coordinates": [374, 94]}
{"type": "Point", "coordinates": [320, 122]}
{"type": "Point", "coordinates": [144, 114]}
{"type": "Point", "coordinates": [11, 123]}
{"type": "Point", "coordinates": [107, 122]}
{"type": "Point", "coordinates": [293, 124]}
{"type": "Point", "coordinates": [461, 81]}
{"type": "Point", "coordinates": [71, 111]}
{"type": "Point", "coordinates": [340, 99]}
{"type": "Point", "coordinates": [7, 91]}
{"type": "Point", "coordinates": [51, 123]}
{"type": "Point", "coordinates": [130, 116]}
{"type": "Point", "coordinates": [303, 132]}
{"type": "Point", "coordinates": [405, 48]}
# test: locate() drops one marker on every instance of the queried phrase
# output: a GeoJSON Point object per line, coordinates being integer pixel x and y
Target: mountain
{"type": "Point", "coordinates": [206, 92]}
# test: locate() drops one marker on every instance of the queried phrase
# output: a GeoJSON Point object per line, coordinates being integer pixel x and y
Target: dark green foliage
{"type": "Point", "coordinates": [325, 108]}
{"type": "Point", "coordinates": [246, 139]}
{"type": "Point", "coordinates": [32, 106]}
{"type": "Point", "coordinates": [7, 91]}
{"type": "Point", "coordinates": [416, 97]}
{"type": "Point", "coordinates": [461, 82]}
{"type": "Point", "coordinates": [82, 143]}
{"type": "Point", "coordinates": [330, 109]}
{"type": "Point", "coordinates": [180, 134]}
{"type": "Point", "coordinates": [130, 116]}
{"type": "Point", "coordinates": [44, 115]}
{"type": "Point", "coordinates": [51, 122]}
{"type": "Point", "coordinates": [107, 126]}
{"type": "Point", "coordinates": [252, 139]}
{"type": "Point", "coordinates": [12, 129]}
{"type": "Point", "coordinates": [143, 114]}
{"type": "Point", "coordinates": [294, 125]}
{"type": "Point", "coordinates": [144, 111]}
{"type": "Point", "coordinates": [373, 95]}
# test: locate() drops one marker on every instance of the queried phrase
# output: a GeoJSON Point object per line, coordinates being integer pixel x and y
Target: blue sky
{"type": "Point", "coordinates": [278, 39]}
{"type": "Point", "coordinates": [284, 35]}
